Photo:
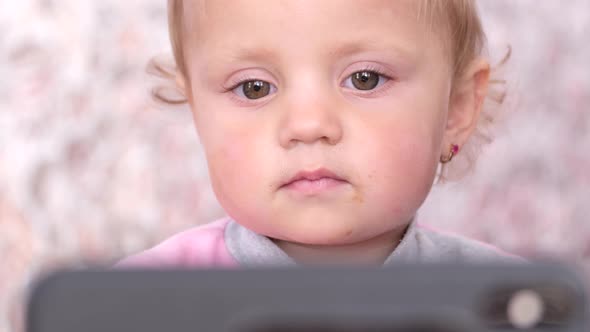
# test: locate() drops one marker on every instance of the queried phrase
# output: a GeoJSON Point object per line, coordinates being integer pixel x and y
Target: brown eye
{"type": "Point", "coordinates": [255, 89]}
{"type": "Point", "coordinates": [365, 80]}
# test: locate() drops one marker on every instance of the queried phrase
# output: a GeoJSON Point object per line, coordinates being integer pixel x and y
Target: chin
{"type": "Point", "coordinates": [330, 233]}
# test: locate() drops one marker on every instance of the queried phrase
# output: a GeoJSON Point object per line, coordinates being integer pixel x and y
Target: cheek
{"type": "Point", "coordinates": [226, 144]}
{"type": "Point", "coordinates": [234, 157]}
{"type": "Point", "coordinates": [405, 155]}
{"type": "Point", "coordinates": [400, 158]}
{"type": "Point", "coordinates": [229, 157]}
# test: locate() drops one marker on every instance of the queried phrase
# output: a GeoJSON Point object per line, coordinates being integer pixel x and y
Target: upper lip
{"type": "Point", "coordinates": [313, 175]}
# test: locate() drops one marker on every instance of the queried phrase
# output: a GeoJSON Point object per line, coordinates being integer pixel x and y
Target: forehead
{"type": "Point", "coordinates": [203, 8]}
{"type": "Point", "coordinates": [231, 26]}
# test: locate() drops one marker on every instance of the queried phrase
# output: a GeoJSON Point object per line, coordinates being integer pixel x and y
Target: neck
{"type": "Point", "coordinates": [371, 252]}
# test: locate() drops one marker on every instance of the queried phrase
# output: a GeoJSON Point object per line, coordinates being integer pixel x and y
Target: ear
{"type": "Point", "coordinates": [466, 102]}
{"type": "Point", "coordinates": [180, 82]}
{"type": "Point", "coordinates": [182, 86]}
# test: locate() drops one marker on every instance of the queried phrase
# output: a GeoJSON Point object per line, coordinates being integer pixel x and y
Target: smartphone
{"type": "Point", "coordinates": [403, 298]}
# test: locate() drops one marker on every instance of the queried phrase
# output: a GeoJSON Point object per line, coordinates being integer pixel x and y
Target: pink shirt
{"type": "Point", "coordinates": [202, 246]}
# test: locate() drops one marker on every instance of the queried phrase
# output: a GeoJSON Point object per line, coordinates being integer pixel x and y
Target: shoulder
{"type": "Point", "coordinates": [199, 246]}
{"type": "Point", "coordinates": [438, 245]}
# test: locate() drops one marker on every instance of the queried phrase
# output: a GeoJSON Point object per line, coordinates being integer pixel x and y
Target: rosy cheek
{"type": "Point", "coordinates": [226, 157]}
{"type": "Point", "coordinates": [233, 161]}
{"type": "Point", "coordinates": [403, 161]}
{"type": "Point", "coordinates": [232, 151]}
{"type": "Point", "coordinates": [418, 169]}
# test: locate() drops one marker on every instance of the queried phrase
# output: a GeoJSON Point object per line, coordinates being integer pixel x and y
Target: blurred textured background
{"type": "Point", "coordinates": [91, 171]}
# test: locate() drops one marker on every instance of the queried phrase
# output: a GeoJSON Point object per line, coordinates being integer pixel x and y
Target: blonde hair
{"type": "Point", "coordinates": [467, 40]}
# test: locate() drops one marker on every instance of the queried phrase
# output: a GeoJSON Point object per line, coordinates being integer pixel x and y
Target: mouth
{"type": "Point", "coordinates": [314, 182]}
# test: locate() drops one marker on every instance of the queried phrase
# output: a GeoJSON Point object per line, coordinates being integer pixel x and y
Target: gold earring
{"type": "Point", "coordinates": [452, 152]}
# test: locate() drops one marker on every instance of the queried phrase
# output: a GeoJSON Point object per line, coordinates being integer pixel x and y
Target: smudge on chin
{"type": "Point", "coordinates": [358, 196]}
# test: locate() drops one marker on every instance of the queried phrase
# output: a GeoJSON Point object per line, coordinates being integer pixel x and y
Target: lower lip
{"type": "Point", "coordinates": [311, 187]}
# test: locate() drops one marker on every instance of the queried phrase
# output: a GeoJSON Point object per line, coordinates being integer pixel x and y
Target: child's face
{"type": "Point", "coordinates": [307, 109]}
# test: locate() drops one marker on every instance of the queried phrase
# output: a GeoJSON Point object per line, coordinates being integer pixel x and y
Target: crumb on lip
{"type": "Point", "coordinates": [358, 197]}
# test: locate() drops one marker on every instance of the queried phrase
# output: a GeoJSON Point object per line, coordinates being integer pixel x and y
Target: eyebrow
{"type": "Point", "coordinates": [353, 47]}
{"type": "Point", "coordinates": [349, 49]}
{"type": "Point", "coordinates": [254, 54]}
{"type": "Point", "coordinates": [346, 49]}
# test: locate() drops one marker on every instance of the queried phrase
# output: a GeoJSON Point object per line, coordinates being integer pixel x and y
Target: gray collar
{"type": "Point", "coordinates": [252, 249]}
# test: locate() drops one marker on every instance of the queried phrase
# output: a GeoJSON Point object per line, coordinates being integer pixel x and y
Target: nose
{"type": "Point", "coordinates": [308, 121]}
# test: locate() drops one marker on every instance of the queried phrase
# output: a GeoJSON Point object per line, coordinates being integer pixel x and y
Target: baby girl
{"type": "Point", "coordinates": [325, 125]}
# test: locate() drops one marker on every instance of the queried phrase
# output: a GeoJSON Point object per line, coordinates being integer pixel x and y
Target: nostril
{"type": "Point", "coordinates": [330, 140]}
{"type": "Point", "coordinates": [310, 133]}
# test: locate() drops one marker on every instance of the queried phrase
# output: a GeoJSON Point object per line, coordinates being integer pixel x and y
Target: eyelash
{"type": "Point", "coordinates": [246, 78]}
{"type": "Point", "coordinates": [239, 81]}
{"type": "Point", "coordinates": [379, 88]}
